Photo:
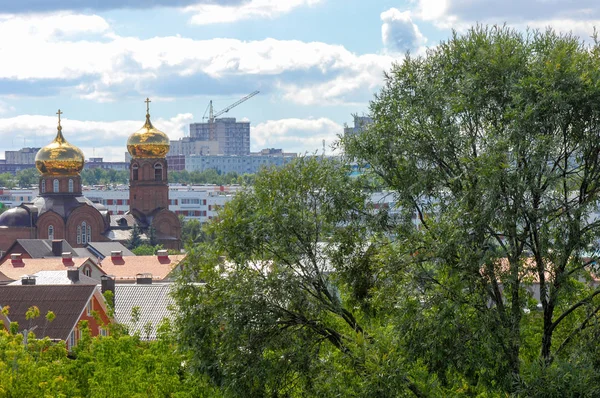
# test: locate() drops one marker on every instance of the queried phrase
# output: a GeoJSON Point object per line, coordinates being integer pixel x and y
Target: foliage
{"type": "Point", "coordinates": [135, 239]}
{"type": "Point", "coordinates": [491, 142]}
{"type": "Point", "coordinates": [210, 176]}
{"type": "Point", "coordinates": [118, 365]}
{"type": "Point", "coordinates": [273, 319]}
{"type": "Point", "coordinates": [100, 176]}
{"type": "Point", "coordinates": [7, 180]}
{"type": "Point", "coordinates": [146, 250]}
{"type": "Point", "coordinates": [27, 178]}
{"type": "Point", "coordinates": [192, 231]}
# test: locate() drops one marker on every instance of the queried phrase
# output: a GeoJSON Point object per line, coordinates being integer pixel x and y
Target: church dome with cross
{"type": "Point", "coordinates": [148, 142]}
{"type": "Point", "coordinates": [59, 157]}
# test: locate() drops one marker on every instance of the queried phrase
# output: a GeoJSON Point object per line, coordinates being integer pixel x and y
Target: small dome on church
{"type": "Point", "coordinates": [148, 142]}
{"type": "Point", "coordinates": [15, 217]}
{"type": "Point", "coordinates": [59, 157]}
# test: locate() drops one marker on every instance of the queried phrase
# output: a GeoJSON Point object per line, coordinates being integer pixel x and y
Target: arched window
{"type": "Point", "coordinates": [70, 185]}
{"type": "Point", "coordinates": [134, 171]}
{"type": "Point", "coordinates": [50, 232]}
{"type": "Point", "coordinates": [158, 172]}
{"type": "Point", "coordinates": [55, 186]}
{"type": "Point", "coordinates": [43, 186]}
{"type": "Point", "coordinates": [83, 233]}
{"type": "Point", "coordinates": [89, 235]}
{"type": "Point", "coordinates": [79, 234]}
{"type": "Point", "coordinates": [87, 271]}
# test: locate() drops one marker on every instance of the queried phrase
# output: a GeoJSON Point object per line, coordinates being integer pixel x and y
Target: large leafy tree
{"type": "Point", "coordinates": [285, 305]}
{"type": "Point", "coordinates": [491, 141]}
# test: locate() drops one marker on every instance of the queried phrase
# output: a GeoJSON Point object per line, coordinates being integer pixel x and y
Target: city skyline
{"type": "Point", "coordinates": [316, 62]}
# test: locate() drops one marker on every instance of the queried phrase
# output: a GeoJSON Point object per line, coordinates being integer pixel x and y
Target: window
{"type": "Point", "coordinates": [72, 339]}
{"type": "Point", "coordinates": [158, 171]}
{"type": "Point", "coordinates": [134, 170]}
{"type": "Point", "coordinates": [103, 332]}
{"type": "Point", "coordinates": [90, 307]}
{"type": "Point", "coordinates": [79, 234]}
{"type": "Point", "coordinates": [50, 232]}
{"type": "Point", "coordinates": [89, 235]}
{"type": "Point", "coordinates": [43, 186]}
{"type": "Point", "coordinates": [55, 186]}
{"type": "Point", "coordinates": [83, 233]}
{"type": "Point", "coordinates": [87, 271]}
{"type": "Point", "coordinates": [70, 185]}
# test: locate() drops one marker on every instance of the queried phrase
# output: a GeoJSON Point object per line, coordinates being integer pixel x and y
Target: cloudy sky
{"type": "Point", "coordinates": [315, 62]}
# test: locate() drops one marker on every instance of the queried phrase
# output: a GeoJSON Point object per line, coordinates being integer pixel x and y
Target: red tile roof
{"type": "Point", "coordinates": [126, 268]}
{"type": "Point", "coordinates": [29, 266]}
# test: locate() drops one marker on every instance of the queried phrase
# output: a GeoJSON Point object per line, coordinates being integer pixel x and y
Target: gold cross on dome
{"type": "Point", "coordinates": [59, 113]}
{"type": "Point", "coordinates": [147, 105]}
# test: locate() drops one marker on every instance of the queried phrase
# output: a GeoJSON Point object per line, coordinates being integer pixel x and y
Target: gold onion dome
{"type": "Point", "coordinates": [59, 157]}
{"type": "Point", "coordinates": [148, 142]}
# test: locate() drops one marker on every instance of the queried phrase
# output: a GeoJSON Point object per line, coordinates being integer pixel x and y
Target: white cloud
{"type": "Point", "coordinates": [355, 85]}
{"type": "Point", "coordinates": [399, 33]}
{"type": "Point", "coordinates": [106, 65]}
{"type": "Point", "coordinates": [579, 16]}
{"type": "Point", "coordinates": [101, 139]}
{"type": "Point", "coordinates": [213, 14]}
{"type": "Point", "coordinates": [304, 135]}
{"type": "Point", "coordinates": [5, 108]}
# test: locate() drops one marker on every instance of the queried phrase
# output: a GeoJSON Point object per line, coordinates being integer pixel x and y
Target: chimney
{"type": "Point", "coordinates": [67, 258]}
{"type": "Point", "coordinates": [116, 255]}
{"type": "Point", "coordinates": [16, 260]}
{"type": "Point", "coordinates": [162, 254]}
{"type": "Point", "coordinates": [28, 280]}
{"type": "Point", "coordinates": [107, 283]}
{"type": "Point", "coordinates": [57, 247]}
{"type": "Point", "coordinates": [73, 274]}
{"type": "Point", "coordinates": [143, 279]}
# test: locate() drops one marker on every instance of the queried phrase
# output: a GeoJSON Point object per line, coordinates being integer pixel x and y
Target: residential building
{"type": "Point", "coordinates": [233, 136]}
{"type": "Point", "coordinates": [71, 304]}
{"type": "Point", "coordinates": [38, 248]}
{"type": "Point", "coordinates": [236, 164]}
{"type": "Point", "coordinates": [99, 163]}
{"type": "Point", "coordinates": [15, 266]}
{"type": "Point", "coordinates": [360, 122]}
{"type": "Point", "coordinates": [24, 156]}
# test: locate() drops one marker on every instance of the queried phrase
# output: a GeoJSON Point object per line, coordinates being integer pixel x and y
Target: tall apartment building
{"type": "Point", "coordinates": [360, 122]}
{"type": "Point", "coordinates": [188, 146]}
{"type": "Point", "coordinates": [233, 137]}
{"type": "Point", "coordinates": [22, 156]}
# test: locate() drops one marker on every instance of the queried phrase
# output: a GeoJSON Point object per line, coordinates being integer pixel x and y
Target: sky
{"type": "Point", "coordinates": [315, 62]}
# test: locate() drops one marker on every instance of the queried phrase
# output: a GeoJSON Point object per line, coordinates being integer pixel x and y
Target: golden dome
{"type": "Point", "coordinates": [148, 142]}
{"type": "Point", "coordinates": [59, 157]}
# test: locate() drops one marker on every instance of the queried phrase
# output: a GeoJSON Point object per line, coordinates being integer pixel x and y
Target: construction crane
{"type": "Point", "coordinates": [212, 116]}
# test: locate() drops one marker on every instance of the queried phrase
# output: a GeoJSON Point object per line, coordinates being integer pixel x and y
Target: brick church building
{"type": "Point", "coordinates": [62, 212]}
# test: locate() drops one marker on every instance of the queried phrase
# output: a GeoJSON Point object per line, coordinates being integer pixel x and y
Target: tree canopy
{"type": "Point", "coordinates": [491, 141]}
{"type": "Point", "coordinates": [479, 280]}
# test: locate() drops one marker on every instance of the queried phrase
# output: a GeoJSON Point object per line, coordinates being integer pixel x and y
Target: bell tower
{"type": "Point", "coordinates": [148, 182]}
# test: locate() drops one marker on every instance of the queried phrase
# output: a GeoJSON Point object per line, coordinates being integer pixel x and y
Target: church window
{"type": "Point", "coordinates": [70, 185]}
{"type": "Point", "coordinates": [89, 234]}
{"type": "Point", "coordinates": [50, 232]}
{"type": "Point", "coordinates": [84, 233]}
{"type": "Point", "coordinates": [43, 186]}
{"type": "Point", "coordinates": [134, 170]}
{"type": "Point", "coordinates": [79, 234]}
{"type": "Point", "coordinates": [158, 172]}
{"type": "Point", "coordinates": [55, 186]}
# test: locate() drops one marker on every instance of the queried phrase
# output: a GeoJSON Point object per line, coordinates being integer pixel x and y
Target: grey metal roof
{"type": "Point", "coordinates": [66, 301]}
{"type": "Point", "coordinates": [154, 302]}
{"type": "Point", "coordinates": [104, 248]}
{"type": "Point", "coordinates": [59, 278]}
{"type": "Point", "coordinates": [40, 248]}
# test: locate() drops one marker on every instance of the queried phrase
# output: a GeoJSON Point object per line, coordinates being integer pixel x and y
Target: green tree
{"type": "Point", "coordinates": [491, 141]}
{"type": "Point", "coordinates": [284, 310]}
{"type": "Point", "coordinates": [27, 177]}
{"type": "Point", "coordinates": [135, 239]}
